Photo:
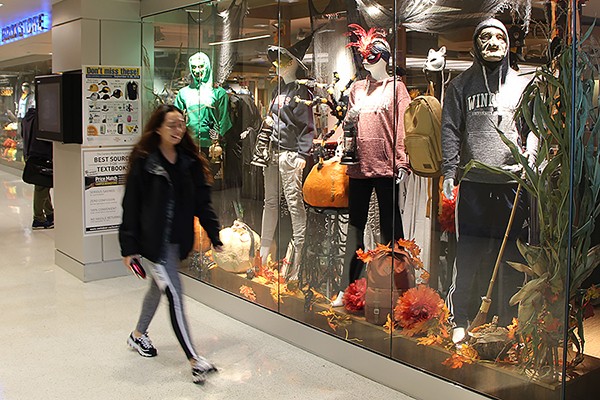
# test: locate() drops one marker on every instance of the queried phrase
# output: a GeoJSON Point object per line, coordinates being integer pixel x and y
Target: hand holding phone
{"type": "Point", "coordinates": [137, 269]}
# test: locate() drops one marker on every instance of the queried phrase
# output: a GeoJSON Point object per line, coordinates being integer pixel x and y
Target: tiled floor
{"type": "Point", "coordinates": [63, 339]}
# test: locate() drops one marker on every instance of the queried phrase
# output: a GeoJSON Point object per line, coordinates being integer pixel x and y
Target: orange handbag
{"type": "Point", "coordinates": [326, 185]}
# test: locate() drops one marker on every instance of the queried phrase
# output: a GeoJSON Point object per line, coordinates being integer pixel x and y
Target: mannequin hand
{"type": "Point", "coordinates": [515, 169]}
{"type": "Point", "coordinates": [300, 162]}
{"type": "Point", "coordinates": [531, 158]}
{"type": "Point", "coordinates": [244, 134]}
{"type": "Point", "coordinates": [401, 176]}
{"type": "Point", "coordinates": [448, 188]}
{"type": "Point", "coordinates": [268, 121]}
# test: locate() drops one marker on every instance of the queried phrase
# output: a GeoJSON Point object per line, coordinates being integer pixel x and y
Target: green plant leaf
{"type": "Point", "coordinates": [582, 272]}
{"type": "Point", "coordinates": [530, 289]}
{"type": "Point", "coordinates": [529, 306]}
{"type": "Point", "coordinates": [521, 268]}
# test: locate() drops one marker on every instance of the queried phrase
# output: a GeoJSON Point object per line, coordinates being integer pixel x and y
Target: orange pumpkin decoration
{"type": "Point", "coordinates": [327, 187]}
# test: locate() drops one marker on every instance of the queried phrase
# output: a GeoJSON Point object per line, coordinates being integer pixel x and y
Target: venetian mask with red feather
{"type": "Point", "coordinates": [371, 44]}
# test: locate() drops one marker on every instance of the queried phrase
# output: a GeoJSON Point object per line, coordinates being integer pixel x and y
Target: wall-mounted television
{"type": "Point", "coordinates": [59, 107]}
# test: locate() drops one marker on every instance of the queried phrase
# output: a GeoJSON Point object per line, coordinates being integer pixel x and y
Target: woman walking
{"type": "Point", "coordinates": [167, 185]}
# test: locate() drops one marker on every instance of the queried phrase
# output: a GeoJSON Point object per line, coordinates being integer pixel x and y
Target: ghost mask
{"type": "Point", "coordinates": [492, 43]}
{"type": "Point", "coordinates": [199, 65]}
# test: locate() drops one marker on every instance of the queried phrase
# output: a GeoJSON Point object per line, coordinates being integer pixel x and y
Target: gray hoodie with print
{"type": "Point", "coordinates": [479, 102]}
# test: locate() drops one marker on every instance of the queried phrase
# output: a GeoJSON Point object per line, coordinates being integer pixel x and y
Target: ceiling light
{"type": "Point", "coordinates": [240, 40]}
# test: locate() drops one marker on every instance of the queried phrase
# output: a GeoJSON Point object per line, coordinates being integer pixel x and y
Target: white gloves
{"type": "Point", "coordinates": [448, 188]}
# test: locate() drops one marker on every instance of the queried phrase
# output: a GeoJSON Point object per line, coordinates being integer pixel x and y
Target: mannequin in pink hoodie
{"type": "Point", "coordinates": [381, 100]}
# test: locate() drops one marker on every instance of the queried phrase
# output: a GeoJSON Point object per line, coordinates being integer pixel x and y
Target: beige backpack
{"type": "Point", "coordinates": [423, 136]}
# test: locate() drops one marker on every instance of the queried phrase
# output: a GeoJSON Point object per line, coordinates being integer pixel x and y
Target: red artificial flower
{"type": "Point", "coordinates": [447, 214]}
{"type": "Point", "coordinates": [354, 295]}
{"type": "Point", "coordinates": [417, 306]}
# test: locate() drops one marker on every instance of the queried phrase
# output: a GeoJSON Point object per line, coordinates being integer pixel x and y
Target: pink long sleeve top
{"type": "Point", "coordinates": [380, 127]}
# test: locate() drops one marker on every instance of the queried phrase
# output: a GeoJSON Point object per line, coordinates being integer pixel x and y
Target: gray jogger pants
{"type": "Point", "coordinates": [165, 279]}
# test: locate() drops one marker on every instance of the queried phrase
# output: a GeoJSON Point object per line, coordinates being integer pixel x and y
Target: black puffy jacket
{"type": "Point", "coordinates": [32, 146]}
{"type": "Point", "coordinates": [148, 206]}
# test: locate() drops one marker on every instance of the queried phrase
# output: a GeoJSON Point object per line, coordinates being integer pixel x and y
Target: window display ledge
{"type": "Point", "coordinates": [12, 167]}
{"type": "Point", "coordinates": [502, 382]}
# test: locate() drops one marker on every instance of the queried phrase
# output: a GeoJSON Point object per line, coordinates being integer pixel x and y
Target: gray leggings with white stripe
{"type": "Point", "coordinates": [165, 279]}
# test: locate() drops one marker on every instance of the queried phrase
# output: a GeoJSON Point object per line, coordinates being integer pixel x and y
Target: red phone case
{"type": "Point", "coordinates": [137, 269]}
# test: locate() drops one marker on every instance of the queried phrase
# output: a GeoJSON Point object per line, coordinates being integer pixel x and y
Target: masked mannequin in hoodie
{"type": "Point", "coordinates": [206, 107]}
{"type": "Point", "coordinates": [378, 145]}
{"type": "Point", "coordinates": [478, 103]}
{"type": "Point", "coordinates": [291, 139]}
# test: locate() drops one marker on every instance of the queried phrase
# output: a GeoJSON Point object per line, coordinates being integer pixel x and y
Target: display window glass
{"type": "Point", "coordinates": [17, 95]}
{"type": "Point", "coordinates": [408, 176]}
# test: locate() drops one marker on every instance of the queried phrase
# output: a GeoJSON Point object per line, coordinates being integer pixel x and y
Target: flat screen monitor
{"type": "Point", "coordinates": [48, 103]}
{"type": "Point", "coordinates": [58, 102]}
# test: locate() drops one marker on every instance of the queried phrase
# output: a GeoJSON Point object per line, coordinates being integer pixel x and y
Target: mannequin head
{"type": "Point", "coordinates": [287, 67]}
{"type": "Point", "coordinates": [200, 69]}
{"type": "Point", "coordinates": [288, 61]}
{"type": "Point", "coordinates": [372, 46]}
{"type": "Point", "coordinates": [25, 88]}
{"type": "Point", "coordinates": [378, 70]}
{"type": "Point", "coordinates": [490, 43]}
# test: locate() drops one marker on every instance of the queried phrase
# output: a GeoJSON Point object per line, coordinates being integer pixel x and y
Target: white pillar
{"type": "Point", "coordinates": [88, 32]}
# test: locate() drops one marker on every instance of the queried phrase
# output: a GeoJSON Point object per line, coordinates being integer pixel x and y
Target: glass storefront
{"type": "Point", "coordinates": [399, 174]}
{"type": "Point", "coordinates": [16, 95]}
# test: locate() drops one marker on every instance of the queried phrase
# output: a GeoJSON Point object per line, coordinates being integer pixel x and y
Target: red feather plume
{"type": "Point", "coordinates": [365, 38]}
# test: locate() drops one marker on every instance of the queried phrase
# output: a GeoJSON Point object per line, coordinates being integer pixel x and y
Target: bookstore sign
{"type": "Point", "coordinates": [30, 26]}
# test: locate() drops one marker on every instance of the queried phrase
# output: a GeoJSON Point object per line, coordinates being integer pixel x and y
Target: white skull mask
{"type": "Point", "coordinates": [493, 44]}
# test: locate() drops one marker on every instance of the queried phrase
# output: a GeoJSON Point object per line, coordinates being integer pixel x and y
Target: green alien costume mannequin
{"type": "Point", "coordinates": [205, 105]}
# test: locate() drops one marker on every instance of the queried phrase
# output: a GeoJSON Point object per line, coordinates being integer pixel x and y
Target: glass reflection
{"type": "Point", "coordinates": [389, 172]}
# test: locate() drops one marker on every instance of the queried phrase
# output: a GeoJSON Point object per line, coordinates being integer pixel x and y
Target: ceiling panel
{"type": "Point", "coordinates": [15, 10]}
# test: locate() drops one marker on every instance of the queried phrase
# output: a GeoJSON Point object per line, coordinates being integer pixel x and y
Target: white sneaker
{"type": "Point", "coordinates": [458, 335]}
{"type": "Point", "coordinates": [339, 300]}
{"type": "Point", "coordinates": [200, 369]}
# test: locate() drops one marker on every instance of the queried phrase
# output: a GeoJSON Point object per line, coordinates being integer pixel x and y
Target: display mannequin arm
{"type": "Point", "coordinates": [448, 188]}
{"type": "Point", "coordinates": [222, 111]}
{"type": "Point", "coordinates": [303, 121]}
{"type": "Point", "coordinates": [531, 149]}
{"type": "Point", "coordinates": [402, 175]}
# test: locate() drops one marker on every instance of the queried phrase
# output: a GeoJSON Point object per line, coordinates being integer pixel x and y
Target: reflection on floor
{"type": "Point", "coordinates": [63, 339]}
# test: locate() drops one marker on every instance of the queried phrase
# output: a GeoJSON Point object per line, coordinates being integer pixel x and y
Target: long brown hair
{"type": "Point", "coordinates": [150, 140]}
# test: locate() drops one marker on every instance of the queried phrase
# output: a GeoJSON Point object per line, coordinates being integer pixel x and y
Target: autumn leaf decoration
{"type": "Point", "coordinates": [336, 320]}
{"type": "Point", "coordinates": [390, 325]}
{"type": "Point", "coordinates": [464, 355]}
{"type": "Point", "coordinates": [414, 252]}
{"type": "Point", "coordinates": [370, 255]}
{"type": "Point", "coordinates": [248, 292]}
